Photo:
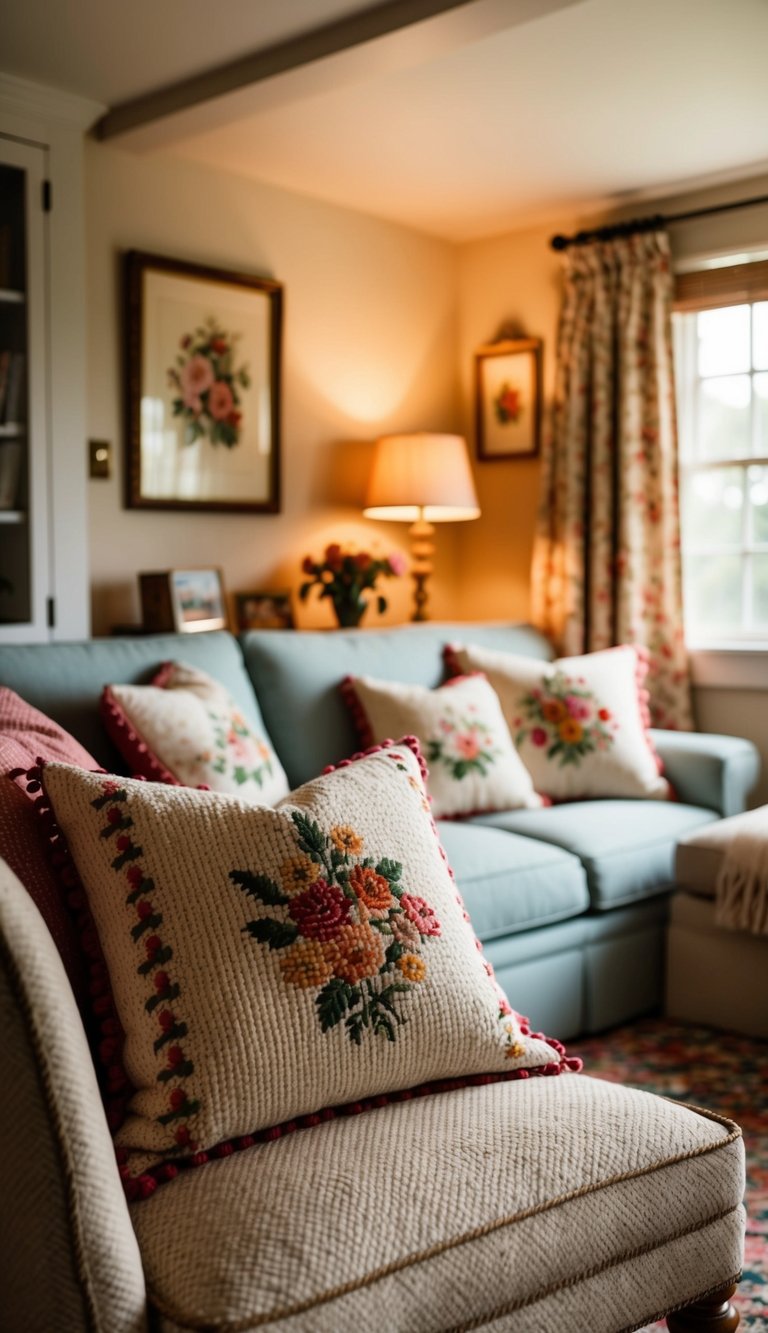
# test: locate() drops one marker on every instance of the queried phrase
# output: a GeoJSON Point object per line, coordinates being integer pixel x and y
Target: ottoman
{"type": "Point", "coordinates": [715, 976]}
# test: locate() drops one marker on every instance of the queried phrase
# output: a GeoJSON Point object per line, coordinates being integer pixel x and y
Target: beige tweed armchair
{"type": "Point", "coordinates": [556, 1204]}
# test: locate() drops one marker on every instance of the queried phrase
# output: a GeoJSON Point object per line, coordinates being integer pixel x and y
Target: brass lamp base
{"type": "Point", "coordinates": [422, 536]}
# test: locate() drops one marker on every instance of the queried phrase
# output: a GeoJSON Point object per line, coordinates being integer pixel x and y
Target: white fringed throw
{"type": "Point", "coordinates": [741, 888]}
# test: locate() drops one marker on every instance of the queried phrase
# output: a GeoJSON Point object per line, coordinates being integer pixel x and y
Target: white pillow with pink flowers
{"type": "Point", "coordinates": [473, 766]}
{"type": "Point", "coordinates": [580, 724]}
{"type": "Point", "coordinates": [185, 728]}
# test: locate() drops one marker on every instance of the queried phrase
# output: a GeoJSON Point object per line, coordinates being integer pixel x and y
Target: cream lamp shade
{"type": "Point", "coordinates": [421, 479]}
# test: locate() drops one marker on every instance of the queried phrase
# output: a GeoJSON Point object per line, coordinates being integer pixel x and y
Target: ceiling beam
{"type": "Point", "coordinates": [318, 44]}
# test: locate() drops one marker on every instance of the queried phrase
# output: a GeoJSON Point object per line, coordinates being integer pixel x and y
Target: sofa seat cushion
{"type": "Point", "coordinates": [626, 847]}
{"type": "Point", "coordinates": [566, 1203]}
{"type": "Point", "coordinates": [510, 883]}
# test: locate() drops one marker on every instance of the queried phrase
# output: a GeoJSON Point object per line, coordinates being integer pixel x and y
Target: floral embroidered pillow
{"type": "Point", "coordinates": [580, 724]}
{"type": "Point", "coordinates": [185, 728]}
{"type": "Point", "coordinates": [473, 766]}
{"type": "Point", "coordinates": [267, 963]}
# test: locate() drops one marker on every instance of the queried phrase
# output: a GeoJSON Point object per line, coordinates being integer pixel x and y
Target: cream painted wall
{"type": "Point", "coordinates": [369, 347]}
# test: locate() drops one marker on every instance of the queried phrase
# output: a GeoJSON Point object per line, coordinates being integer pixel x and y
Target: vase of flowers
{"type": "Point", "coordinates": [343, 575]}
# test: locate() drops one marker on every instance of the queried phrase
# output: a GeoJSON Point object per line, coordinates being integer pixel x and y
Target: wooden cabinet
{"type": "Point", "coordinates": [24, 445]}
{"type": "Point", "coordinates": [43, 497]}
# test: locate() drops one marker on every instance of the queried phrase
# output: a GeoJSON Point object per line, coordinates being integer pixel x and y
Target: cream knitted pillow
{"type": "Point", "coordinates": [185, 728]}
{"type": "Point", "coordinates": [268, 963]}
{"type": "Point", "coordinates": [473, 765]}
{"type": "Point", "coordinates": [580, 724]}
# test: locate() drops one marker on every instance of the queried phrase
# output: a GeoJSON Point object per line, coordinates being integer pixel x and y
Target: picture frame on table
{"type": "Point", "coordinates": [202, 387]}
{"type": "Point", "coordinates": [508, 399]}
{"type": "Point", "coordinates": [263, 610]}
{"type": "Point", "coordinates": [185, 601]}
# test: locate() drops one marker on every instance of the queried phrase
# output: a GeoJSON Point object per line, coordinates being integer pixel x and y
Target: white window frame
{"type": "Point", "coordinates": [751, 672]}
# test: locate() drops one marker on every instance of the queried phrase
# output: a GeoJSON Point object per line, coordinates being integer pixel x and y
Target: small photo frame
{"type": "Point", "coordinates": [183, 600]}
{"type": "Point", "coordinates": [508, 399]}
{"type": "Point", "coordinates": [263, 610]}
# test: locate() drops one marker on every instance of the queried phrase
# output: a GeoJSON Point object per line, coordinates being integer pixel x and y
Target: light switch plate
{"type": "Point", "coordinates": [99, 458]}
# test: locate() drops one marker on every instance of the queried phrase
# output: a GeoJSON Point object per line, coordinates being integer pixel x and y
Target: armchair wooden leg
{"type": "Point", "coordinates": [711, 1314]}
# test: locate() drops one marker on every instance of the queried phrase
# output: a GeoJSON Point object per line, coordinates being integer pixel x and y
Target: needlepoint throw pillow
{"type": "Point", "coordinates": [580, 724]}
{"type": "Point", "coordinates": [473, 765]}
{"type": "Point", "coordinates": [267, 963]}
{"type": "Point", "coordinates": [185, 728]}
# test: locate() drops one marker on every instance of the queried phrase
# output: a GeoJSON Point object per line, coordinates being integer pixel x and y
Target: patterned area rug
{"type": "Point", "coordinates": [718, 1070]}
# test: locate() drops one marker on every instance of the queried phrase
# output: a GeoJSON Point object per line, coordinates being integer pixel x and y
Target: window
{"type": "Point", "coordinates": [722, 385]}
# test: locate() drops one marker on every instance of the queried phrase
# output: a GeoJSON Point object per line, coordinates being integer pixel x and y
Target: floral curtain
{"type": "Point", "coordinates": [606, 567]}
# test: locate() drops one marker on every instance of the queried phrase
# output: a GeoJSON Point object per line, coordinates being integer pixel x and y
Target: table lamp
{"type": "Point", "coordinates": [421, 479]}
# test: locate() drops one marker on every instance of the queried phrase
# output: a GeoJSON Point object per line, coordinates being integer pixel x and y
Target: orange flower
{"type": "Point", "coordinates": [346, 840]}
{"type": "Point", "coordinates": [305, 964]}
{"type": "Point", "coordinates": [355, 953]}
{"type": "Point", "coordinates": [412, 967]}
{"type": "Point", "coordinates": [371, 889]}
{"type": "Point", "coordinates": [297, 874]}
{"type": "Point", "coordinates": [553, 710]}
{"type": "Point", "coordinates": [571, 731]}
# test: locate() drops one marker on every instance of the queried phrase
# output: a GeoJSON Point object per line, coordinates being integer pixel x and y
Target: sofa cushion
{"type": "Point", "coordinates": [626, 847]}
{"type": "Point", "coordinates": [473, 764]}
{"type": "Point", "coordinates": [269, 963]}
{"type": "Point", "coordinates": [184, 727]}
{"type": "Point", "coordinates": [700, 855]}
{"type": "Point", "coordinates": [560, 1204]}
{"type": "Point", "coordinates": [296, 675]}
{"type": "Point", "coordinates": [580, 723]}
{"type": "Point", "coordinates": [510, 883]}
{"type": "Point", "coordinates": [27, 735]}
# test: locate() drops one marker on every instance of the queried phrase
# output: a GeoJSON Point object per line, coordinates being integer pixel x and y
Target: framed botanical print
{"type": "Point", "coordinates": [202, 387]}
{"type": "Point", "coordinates": [508, 399]}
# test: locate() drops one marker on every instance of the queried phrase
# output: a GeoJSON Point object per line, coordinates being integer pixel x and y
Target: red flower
{"type": "Point", "coordinates": [320, 911]}
{"type": "Point", "coordinates": [162, 981]}
{"type": "Point", "coordinates": [421, 914]}
{"type": "Point", "coordinates": [308, 565]}
{"type": "Point", "coordinates": [539, 736]}
{"type": "Point", "coordinates": [123, 842]}
{"type": "Point", "coordinates": [114, 814]}
{"type": "Point", "coordinates": [234, 419]}
{"type": "Point", "coordinates": [219, 346]}
{"type": "Point", "coordinates": [177, 1099]}
{"type": "Point", "coordinates": [183, 1137]}
{"type": "Point", "coordinates": [153, 944]}
{"type": "Point", "coordinates": [144, 909]}
{"type": "Point", "coordinates": [135, 875]}
{"type": "Point", "coordinates": [362, 560]}
{"type": "Point", "coordinates": [175, 1055]}
{"type": "Point", "coordinates": [604, 714]}
{"type": "Point", "coordinates": [333, 556]}
{"type": "Point", "coordinates": [166, 1019]}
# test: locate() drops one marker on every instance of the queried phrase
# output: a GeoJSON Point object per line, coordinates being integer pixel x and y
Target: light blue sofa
{"type": "Point", "coordinates": [570, 902]}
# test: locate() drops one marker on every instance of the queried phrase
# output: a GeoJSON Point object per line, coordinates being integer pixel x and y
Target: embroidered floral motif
{"type": "Point", "coordinates": [238, 752]}
{"type": "Point", "coordinates": [352, 931]}
{"type": "Point", "coordinates": [565, 717]}
{"type": "Point", "coordinates": [465, 746]}
{"type": "Point", "coordinates": [155, 956]}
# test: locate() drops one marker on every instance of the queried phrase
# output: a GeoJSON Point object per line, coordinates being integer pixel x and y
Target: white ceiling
{"type": "Point", "coordinates": [463, 125]}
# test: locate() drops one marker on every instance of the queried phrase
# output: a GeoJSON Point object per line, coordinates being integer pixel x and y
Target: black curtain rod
{"type": "Point", "coordinates": [652, 223]}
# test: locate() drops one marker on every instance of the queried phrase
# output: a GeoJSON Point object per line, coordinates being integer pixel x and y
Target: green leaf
{"type": "Point", "coordinates": [240, 775]}
{"type": "Point", "coordinates": [260, 887]}
{"type": "Point", "coordinates": [277, 934]}
{"type": "Point", "coordinates": [389, 870]}
{"type": "Point", "coordinates": [395, 951]}
{"type": "Point", "coordinates": [381, 603]}
{"type": "Point", "coordinates": [311, 837]}
{"type": "Point", "coordinates": [334, 1000]}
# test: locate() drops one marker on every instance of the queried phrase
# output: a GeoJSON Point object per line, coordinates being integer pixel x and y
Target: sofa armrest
{"type": "Point", "coordinates": [68, 1252]}
{"type": "Point", "coordinates": [718, 772]}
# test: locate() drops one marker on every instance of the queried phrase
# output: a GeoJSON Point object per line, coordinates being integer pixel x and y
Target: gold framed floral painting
{"type": "Point", "coordinates": [508, 399]}
{"type": "Point", "coordinates": [203, 387]}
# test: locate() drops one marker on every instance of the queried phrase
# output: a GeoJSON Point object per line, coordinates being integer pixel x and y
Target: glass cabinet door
{"type": "Point", "coordinates": [24, 577]}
